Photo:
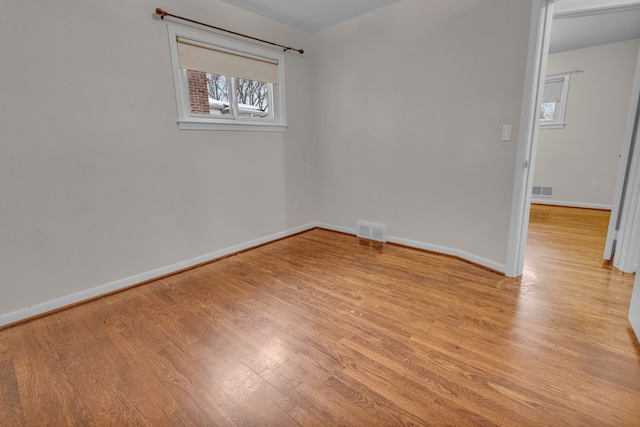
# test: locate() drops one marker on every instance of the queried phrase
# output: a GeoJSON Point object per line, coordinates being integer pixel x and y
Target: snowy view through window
{"type": "Point", "coordinates": [252, 96]}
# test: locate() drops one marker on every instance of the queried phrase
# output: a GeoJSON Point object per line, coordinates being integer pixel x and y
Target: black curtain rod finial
{"type": "Point", "coordinates": [300, 51]}
{"type": "Point", "coordinates": [161, 13]}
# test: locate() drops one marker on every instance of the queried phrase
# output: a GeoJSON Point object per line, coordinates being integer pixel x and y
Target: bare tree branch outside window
{"type": "Point", "coordinates": [218, 87]}
{"type": "Point", "coordinates": [252, 92]}
{"type": "Point", "coordinates": [252, 96]}
{"type": "Point", "coordinates": [249, 92]}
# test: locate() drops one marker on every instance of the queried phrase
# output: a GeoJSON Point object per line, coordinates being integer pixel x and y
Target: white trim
{"type": "Point", "coordinates": [570, 204]}
{"type": "Point", "coordinates": [627, 254]}
{"type": "Point", "coordinates": [634, 307]}
{"type": "Point", "coordinates": [593, 9]}
{"type": "Point", "coordinates": [426, 246]}
{"type": "Point", "coordinates": [622, 168]}
{"type": "Point", "coordinates": [539, 36]}
{"type": "Point", "coordinates": [330, 227]}
{"type": "Point", "coordinates": [561, 107]}
{"type": "Point", "coordinates": [552, 125]}
{"type": "Point", "coordinates": [187, 121]}
{"type": "Point", "coordinates": [87, 294]}
{"type": "Point", "coordinates": [449, 251]}
{"type": "Point", "coordinates": [258, 127]}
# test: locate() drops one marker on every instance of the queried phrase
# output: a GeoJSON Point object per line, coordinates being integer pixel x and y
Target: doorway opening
{"type": "Point", "coordinates": [583, 159]}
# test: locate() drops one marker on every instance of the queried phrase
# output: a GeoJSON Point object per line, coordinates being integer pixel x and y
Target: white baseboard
{"type": "Point", "coordinates": [450, 251]}
{"type": "Point", "coordinates": [429, 247]}
{"type": "Point", "coordinates": [88, 294]}
{"type": "Point", "coordinates": [339, 229]}
{"type": "Point", "coordinates": [571, 204]}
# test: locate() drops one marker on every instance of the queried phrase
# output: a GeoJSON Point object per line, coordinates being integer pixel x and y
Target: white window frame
{"type": "Point", "coordinates": [558, 121]}
{"type": "Point", "coordinates": [187, 120]}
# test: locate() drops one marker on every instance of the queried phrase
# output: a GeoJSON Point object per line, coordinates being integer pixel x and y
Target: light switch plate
{"type": "Point", "coordinates": [506, 132]}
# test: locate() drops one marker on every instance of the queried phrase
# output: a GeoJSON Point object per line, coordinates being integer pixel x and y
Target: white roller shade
{"type": "Point", "coordinates": [553, 91]}
{"type": "Point", "coordinates": [217, 60]}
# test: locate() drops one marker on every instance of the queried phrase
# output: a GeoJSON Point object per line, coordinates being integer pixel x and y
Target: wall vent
{"type": "Point", "coordinates": [368, 230]}
{"type": "Point", "coordinates": [542, 191]}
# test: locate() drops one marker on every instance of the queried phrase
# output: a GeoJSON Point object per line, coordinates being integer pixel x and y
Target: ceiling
{"type": "Point", "coordinates": [576, 29]}
{"type": "Point", "coordinates": [577, 23]}
{"type": "Point", "coordinates": [311, 15]}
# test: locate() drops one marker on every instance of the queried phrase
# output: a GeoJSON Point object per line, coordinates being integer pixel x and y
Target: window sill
{"type": "Point", "coordinates": [255, 127]}
{"type": "Point", "coordinates": [552, 125]}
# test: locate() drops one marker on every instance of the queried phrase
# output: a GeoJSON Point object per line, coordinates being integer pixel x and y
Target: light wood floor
{"type": "Point", "coordinates": [322, 329]}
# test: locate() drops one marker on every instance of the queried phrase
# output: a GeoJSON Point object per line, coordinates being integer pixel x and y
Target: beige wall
{"type": "Point", "coordinates": [97, 183]}
{"type": "Point", "coordinates": [587, 148]}
{"type": "Point", "coordinates": [411, 100]}
{"type": "Point", "coordinates": [394, 117]}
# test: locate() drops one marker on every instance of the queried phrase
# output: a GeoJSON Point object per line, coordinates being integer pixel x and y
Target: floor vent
{"type": "Point", "coordinates": [543, 191]}
{"type": "Point", "coordinates": [368, 230]}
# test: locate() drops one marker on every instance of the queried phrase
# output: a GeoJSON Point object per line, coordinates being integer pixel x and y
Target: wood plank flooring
{"type": "Point", "coordinates": [324, 329]}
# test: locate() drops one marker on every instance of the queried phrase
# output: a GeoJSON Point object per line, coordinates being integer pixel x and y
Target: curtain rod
{"type": "Point", "coordinates": [161, 13]}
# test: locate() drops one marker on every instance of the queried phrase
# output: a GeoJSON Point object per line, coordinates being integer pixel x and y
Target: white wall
{"type": "Point", "coordinates": [587, 148]}
{"type": "Point", "coordinates": [411, 100]}
{"type": "Point", "coordinates": [97, 183]}
{"type": "Point", "coordinates": [395, 117]}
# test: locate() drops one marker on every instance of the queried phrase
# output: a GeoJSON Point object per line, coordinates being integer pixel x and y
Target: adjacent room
{"type": "Point", "coordinates": [321, 225]}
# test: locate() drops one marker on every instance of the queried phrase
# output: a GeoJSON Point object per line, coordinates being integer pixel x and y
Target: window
{"type": "Point", "coordinates": [554, 101]}
{"type": "Point", "coordinates": [222, 84]}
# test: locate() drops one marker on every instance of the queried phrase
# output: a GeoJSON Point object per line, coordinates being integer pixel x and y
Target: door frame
{"type": "Point", "coordinates": [628, 239]}
{"type": "Point", "coordinates": [624, 211]}
{"type": "Point", "coordinates": [634, 308]}
{"type": "Point", "coordinates": [538, 50]}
